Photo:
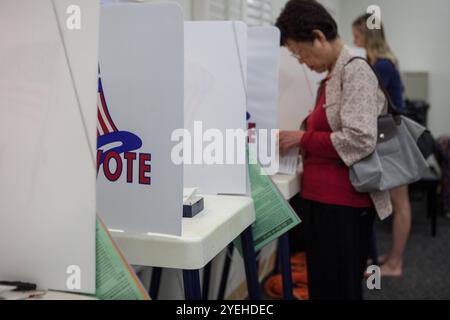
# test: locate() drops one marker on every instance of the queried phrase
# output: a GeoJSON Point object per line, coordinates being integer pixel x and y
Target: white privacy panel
{"type": "Point", "coordinates": [297, 91]}
{"type": "Point", "coordinates": [48, 79]}
{"type": "Point", "coordinates": [139, 187]}
{"type": "Point", "coordinates": [262, 89]}
{"type": "Point", "coordinates": [215, 98]}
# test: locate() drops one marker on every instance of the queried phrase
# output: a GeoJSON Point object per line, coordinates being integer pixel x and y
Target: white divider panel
{"type": "Point", "coordinates": [298, 86]}
{"type": "Point", "coordinates": [216, 68]}
{"type": "Point", "coordinates": [48, 77]}
{"type": "Point", "coordinates": [141, 66]}
{"type": "Point", "coordinates": [262, 83]}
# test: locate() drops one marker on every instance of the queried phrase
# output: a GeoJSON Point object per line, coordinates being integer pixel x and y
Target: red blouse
{"type": "Point", "coordinates": [325, 177]}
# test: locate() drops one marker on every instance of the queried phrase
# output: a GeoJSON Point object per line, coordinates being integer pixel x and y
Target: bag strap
{"type": "Point", "coordinates": [391, 108]}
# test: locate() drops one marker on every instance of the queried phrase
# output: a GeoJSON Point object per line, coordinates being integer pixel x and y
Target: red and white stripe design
{"type": "Point", "coordinates": [105, 123]}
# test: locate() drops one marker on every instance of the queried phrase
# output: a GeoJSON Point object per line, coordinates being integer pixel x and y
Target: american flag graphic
{"type": "Point", "coordinates": [107, 133]}
{"type": "Point", "coordinates": [105, 123]}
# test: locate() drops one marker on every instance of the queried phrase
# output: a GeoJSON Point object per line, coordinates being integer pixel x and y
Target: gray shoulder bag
{"type": "Point", "coordinates": [397, 159]}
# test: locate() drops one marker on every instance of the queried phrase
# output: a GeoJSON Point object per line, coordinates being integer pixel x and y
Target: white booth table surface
{"type": "Point", "coordinates": [288, 184]}
{"type": "Point", "coordinates": [223, 219]}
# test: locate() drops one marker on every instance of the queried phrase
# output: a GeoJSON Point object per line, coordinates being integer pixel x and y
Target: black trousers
{"type": "Point", "coordinates": [337, 243]}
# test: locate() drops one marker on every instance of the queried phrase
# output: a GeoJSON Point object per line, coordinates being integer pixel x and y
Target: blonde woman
{"type": "Point", "coordinates": [385, 63]}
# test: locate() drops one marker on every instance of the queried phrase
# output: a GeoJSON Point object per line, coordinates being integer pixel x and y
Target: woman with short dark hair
{"type": "Point", "coordinates": [340, 131]}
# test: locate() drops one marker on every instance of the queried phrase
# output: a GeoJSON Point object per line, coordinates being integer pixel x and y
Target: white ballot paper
{"type": "Point", "coordinates": [289, 162]}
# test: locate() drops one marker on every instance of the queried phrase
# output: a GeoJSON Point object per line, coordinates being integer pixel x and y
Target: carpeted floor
{"type": "Point", "coordinates": [426, 273]}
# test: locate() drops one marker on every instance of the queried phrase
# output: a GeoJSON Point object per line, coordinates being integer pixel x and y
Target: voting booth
{"type": "Point", "coordinates": [84, 116]}
{"type": "Point", "coordinates": [215, 103]}
{"type": "Point", "coordinates": [140, 105]}
{"type": "Point", "coordinates": [47, 136]}
{"type": "Point", "coordinates": [262, 95]}
{"type": "Point", "coordinates": [297, 87]}
{"type": "Point", "coordinates": [261, 88]}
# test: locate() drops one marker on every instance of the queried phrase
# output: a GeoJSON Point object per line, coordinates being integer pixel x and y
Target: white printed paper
{"type": "Point", "coordinates": [289, 162]}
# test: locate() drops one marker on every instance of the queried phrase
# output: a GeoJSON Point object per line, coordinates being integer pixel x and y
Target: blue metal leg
{"type": "Point", "coordinates": [251, 270]}
{"type": "Point", "coordinates": [206, 278]}
{"type": "Point", "coordinates": [225, 272]}
{"type": "Point", "coordinates": [285, 262]}
{"type": "Point", "coordinates": [155, 282]}
{"type": "Point", "coordinates": [276, 269]}
{"type": "Point", "coordinates": [191, 279]}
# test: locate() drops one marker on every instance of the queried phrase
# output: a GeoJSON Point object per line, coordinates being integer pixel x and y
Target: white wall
{"type": "Point", "coordinates": [417, 31]}
{"type": "Point", "coordinates": [277, 6]}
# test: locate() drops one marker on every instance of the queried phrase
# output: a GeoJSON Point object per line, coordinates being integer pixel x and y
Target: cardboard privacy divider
{"type": "Point", "coordinates": [262, 87]}
{"type": "Point", "coordinates": [48, 76]}
{"type": "Point", "coordinates": [216, 67]}
{"type": "Point", "coordinates": [262, 97]}
{"type": "Point", "coordinates": [139, 188]}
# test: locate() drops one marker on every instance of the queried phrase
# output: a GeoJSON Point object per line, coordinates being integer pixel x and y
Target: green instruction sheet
{"type": "Point", "coordinates": [115, 279]}
{"type": "Point", "coordinates": [274, 215]}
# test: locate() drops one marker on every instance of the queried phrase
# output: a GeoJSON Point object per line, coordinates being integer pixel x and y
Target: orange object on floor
{"type": "Point", "coordinates": [273, 287]}
{"type": "Point", "coordinates": [298, 263]}
{"type": "Point", "coordinates": [299, 259]}
{"type": "Point", "coordinates": [301, 291]}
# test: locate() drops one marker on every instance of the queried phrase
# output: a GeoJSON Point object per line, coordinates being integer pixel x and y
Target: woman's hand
{"type": "Point", "coordinates": [289, 140]}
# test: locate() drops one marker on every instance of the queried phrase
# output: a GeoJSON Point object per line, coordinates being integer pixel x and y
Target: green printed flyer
{"type": "Point", "coordinates": [274, 215]}
{"type": "Point", "coordinates": [115, 279]}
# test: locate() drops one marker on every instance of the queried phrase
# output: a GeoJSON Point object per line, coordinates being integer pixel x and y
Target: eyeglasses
{"type": "Point", "coordinates": [295, 56]}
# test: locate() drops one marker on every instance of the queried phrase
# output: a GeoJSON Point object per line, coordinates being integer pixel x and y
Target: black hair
{"type": "Point", "coordinates": [300, 17]}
